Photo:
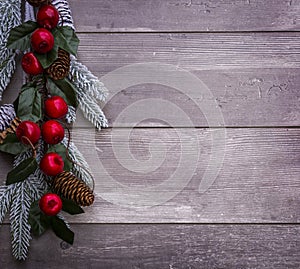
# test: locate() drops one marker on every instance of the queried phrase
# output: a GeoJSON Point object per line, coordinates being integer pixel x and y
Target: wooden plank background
{"type": "Point", "coordinates": [246, 53]}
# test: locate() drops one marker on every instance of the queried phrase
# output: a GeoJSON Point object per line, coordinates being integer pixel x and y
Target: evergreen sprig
{"type": "Point", "coordinates": [10, 16]}
{"type": "Point", "coordinates": [85, 81]}
{"type": "Point", "coordinates": [80, 168]}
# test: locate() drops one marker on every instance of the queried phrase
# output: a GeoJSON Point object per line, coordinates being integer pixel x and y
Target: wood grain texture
{"type": "Point", "coordinates": [164, 246]}
{"type": "Point", "coordinates": [191, 51]}
{"type": "Point", "coordinates": [252, 97]}
{"type": "Point", "coordinates": [134, 171]}
{"type": "Point", "coordinates": [251, 78]}
{"type": "Point", "coordinates": [186, 15]}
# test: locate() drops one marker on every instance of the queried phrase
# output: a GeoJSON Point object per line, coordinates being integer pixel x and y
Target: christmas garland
{"type": "Point", "coordinates": [49, 173]}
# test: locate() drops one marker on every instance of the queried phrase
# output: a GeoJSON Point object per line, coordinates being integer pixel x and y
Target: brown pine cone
{"type": "Point", "coordinates": [10, 129]}
{"type": "Point", "coordinates": [70, 187]}
{"type": "Point", "coordinates": [61, 66]}
{"type": "Point", "coordinates": [37, 3]}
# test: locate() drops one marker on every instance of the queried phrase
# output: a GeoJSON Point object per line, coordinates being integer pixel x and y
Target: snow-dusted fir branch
{"type": "Point", "coordinates": [81, 168]}
{"type": "Point", "coordinates": [71, 115]}
{"type": "Point", "coordinates": [29, 12]}
{"type": "Point", "coordinates": [7, 114]}
{"type": "Point", "coordinates": [7, 69]}
{"type": "Point", "coordinates": [84, 80]}
{"type": "Point", "coordinates": [65, 13]}
{"type": "Point", "coordinates": [10, 16]}
{"type": "Point", "coordinates": [38, 178]}
{"type": "Point", "coordinates": [20, 228]}
{"type": "Point", "coordinates": [10, 11]}
{"type": "Point", "coordinates": [25, 193]}
{"type": "Point", "coordinates": [91, 110]}
{"type": "Point", "coordinates": [6, 193]}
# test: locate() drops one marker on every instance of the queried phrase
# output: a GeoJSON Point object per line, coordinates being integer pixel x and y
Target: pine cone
{"type": "Point", "coordinates": [61, 66]}
{"type": "Point", "coordinates": [70, 187]}
{"type": "Point", "coordinates": [37, 3]}
{"type": "Point", "coordinates": [10, 130]}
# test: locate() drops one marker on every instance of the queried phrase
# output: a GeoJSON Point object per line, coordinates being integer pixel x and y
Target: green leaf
{"type": "Point", "coordinates": [68, 89]}
{"type": "Point", "coordinates": [70, 207]}
{"type": "Point", "coordinates": [48, 58]}
{"type": "Point", "coordinates": [12, 145]}
{"type": "Point", "coordinates": [55, 90]}
{"type": "Point", "coordinates": [38, 221]}
{"type": "Point", "coordinates": [22, 171]}
{"type": "Point", "coordinates": [66, 39]}
{"type": "Point", "coordinates": [61, 230]}
{"type": "Point", "coordinates": [61, 150]}
{"type": "Point", "coordinates": [30, 104]}
{"type": "Point", "coordinates": [16, 103]}
{"type": "Point", "coordinates": [19, 37]}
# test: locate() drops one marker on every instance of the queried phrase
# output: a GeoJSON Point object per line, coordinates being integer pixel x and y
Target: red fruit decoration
{"type": "Point", "coordinates": [52, 132]}
{"type": "Point", "coordinates": [50, 204]}
{"type": "Point", "coordinates": [52, 164]}
{"type": "Point", "coordinates": [47, 17]}
{"type": "Point", "coordinates": [31, 64]}
{"type": "Point", "coordinates": [30, 130]}
{"type": "Point", "coordinates": [56, 107]}
{"type": "Point", "coordinates": [42, 41]}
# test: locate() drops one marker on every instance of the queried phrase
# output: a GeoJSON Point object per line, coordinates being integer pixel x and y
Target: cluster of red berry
{"type": "Point", "coordinates": [42, 40]}
{"type": "Point", "coordinates": [55, 107]}
{"type": "Point", "coordinates": [52, 133]}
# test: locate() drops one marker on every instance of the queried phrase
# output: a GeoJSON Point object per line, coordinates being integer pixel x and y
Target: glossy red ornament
{"type": "Point", "coordinates": [50, 204]}
{"type": "Point", "coordinates": [56, 107]}
{"type": "Point", "coordinates": [31, 64]}
{"type": "Point", "coordinates": [30, 130]}
{"type": "Point", "coordinates": [52, 164]}
{"type": "Point", "coordinates": [42, 40]}
{"type": "Point", "coordinates": [52, 132]}
{"type": "Point", "coordinates": [47, 17]}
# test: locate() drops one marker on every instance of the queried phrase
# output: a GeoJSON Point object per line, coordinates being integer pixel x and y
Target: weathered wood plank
{"type": "Point", "coordinates": [186, 15]}
{"type": "Point", "coordinates": [191, 51]}
{"type": "Point", "coordinates": [252, 97]}
{"type": "Point", "coordinates": [154, 175]}
{"type": "Point", "coordinates": [164, 246]}
{"type": "Point", "coordinates": [250, 79]}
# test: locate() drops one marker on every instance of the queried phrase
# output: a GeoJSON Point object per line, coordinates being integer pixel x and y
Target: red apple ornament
{"type": "Point", "coordinates": [56, 107]}
{"type": "Point", "coordinates": [30, 130]}
{"type": "Point", "coordinates": [50, 204]}
{"type": "Point", "coordinates": [42, 41]}
{"type": "Point", "coordinates": [47, 17]}
{"type": "Point", "coordinates": [52, 132]}
{"type": "Point", "coordinates": [52, 164]}
{"type": "Point", "coordinates": [31, 64]}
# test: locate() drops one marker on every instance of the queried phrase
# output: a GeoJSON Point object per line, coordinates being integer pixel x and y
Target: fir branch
{"type": "Point", "coordinates": [81, 171]}
{"type": "Point", "coordinates": [7, 69]}
{"type": "Point", "coordinates": [7, 114]}
{"type": "Point", "coordinates": [20, 228]}
{"type": "Point", "coordinates": [10, 16]}
{"type": "Point", "coordinates": [38, 179]}
{"type": "Point", "coordinates": [65, 13]}
{"type": "Point", "coordinates": [91, 110]}
{"type": "Point", "coordinates": [71, 115]}
{"type": "Point", "coordinates": [85, 81]}
{"type": "Point", "coordinates": [5, 200]}
{"type": "Point", "coordinates": [24, 194]}
{"type": "Point", "coordinates": [29, 12]}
